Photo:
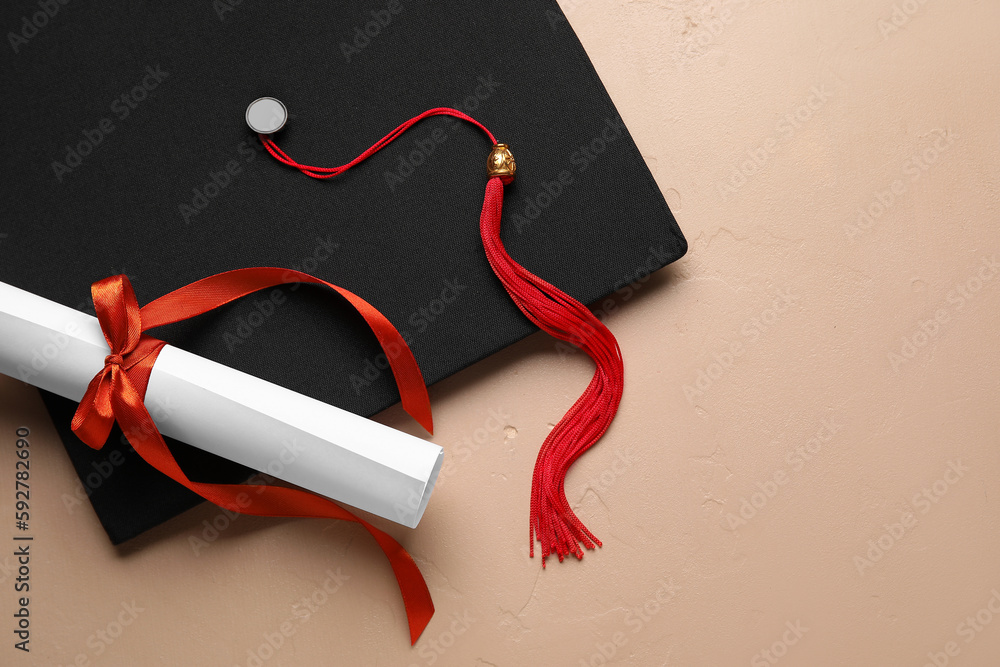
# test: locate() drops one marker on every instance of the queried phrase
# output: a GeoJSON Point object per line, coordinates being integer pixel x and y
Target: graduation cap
{"type": "Point", "coordinates": [131, 155]}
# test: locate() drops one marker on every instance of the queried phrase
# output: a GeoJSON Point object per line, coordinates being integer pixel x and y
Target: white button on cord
{"type": "Point", "coordinates": [266, 115]}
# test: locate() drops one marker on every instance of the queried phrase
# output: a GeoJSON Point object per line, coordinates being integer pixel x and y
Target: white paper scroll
{"type": "Point", "coordinates": [237, 416]}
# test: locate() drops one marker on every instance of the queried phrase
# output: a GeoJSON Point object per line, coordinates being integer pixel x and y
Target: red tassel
{"type": "Point", "coordinates": [553, 521]}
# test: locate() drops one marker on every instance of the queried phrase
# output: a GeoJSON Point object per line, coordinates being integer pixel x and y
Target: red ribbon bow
{"type": "Point", "coordinates": [117, 392]}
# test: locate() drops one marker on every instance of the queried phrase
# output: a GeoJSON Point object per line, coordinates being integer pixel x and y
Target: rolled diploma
{"type": "Point", "coordinates": [221, 410]}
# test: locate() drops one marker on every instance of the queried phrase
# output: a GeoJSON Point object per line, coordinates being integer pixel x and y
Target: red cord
{"type": "Point", "coordinates": [553, 522]}
{"type": "Point", "coordinates": [330, 172]}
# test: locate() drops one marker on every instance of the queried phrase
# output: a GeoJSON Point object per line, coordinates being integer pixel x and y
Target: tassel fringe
{"type": "Point", "coordinates": [553, 522]}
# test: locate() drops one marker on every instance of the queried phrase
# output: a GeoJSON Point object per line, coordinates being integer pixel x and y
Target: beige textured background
{"type": "Point", "coordinates": [772, 500]}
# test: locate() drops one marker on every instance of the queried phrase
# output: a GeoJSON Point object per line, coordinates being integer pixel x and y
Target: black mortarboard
{"type": "Point", "coordinates": [127, 152]}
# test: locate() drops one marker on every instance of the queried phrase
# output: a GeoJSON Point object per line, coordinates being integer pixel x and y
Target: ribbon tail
{"type": "Point", "coordinates": [138, 426]}
{"type": "Point", "coordinates": [417, 404]}
{"type": "Point", "coordinates": [94, 416]}
{"type": "Point", "coordinates": [416, 596]}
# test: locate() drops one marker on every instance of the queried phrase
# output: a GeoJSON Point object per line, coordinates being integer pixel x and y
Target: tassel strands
{"type": "Point", "coordinates": [553, 522]}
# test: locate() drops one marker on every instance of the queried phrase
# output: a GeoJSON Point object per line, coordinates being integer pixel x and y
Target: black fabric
{"type": "Point", "coordinates": [176, 187]}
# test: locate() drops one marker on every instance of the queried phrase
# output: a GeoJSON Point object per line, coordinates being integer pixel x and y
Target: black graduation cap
{"type": "Point", "coordinates": [127, 152]}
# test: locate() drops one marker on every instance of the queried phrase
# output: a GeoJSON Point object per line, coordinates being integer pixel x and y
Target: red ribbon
{"type": "Point", "coordinates": [117, 392]}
